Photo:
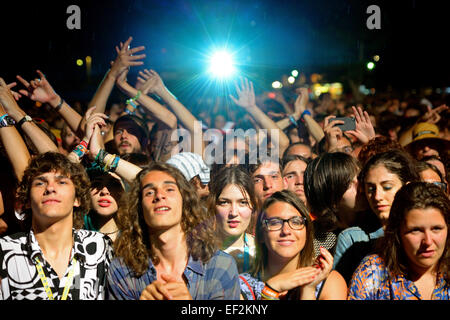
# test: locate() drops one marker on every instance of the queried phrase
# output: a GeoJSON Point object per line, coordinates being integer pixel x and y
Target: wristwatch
{"type": "Point", "coordinates": [27, 118]}
{"type": "Point", "coordinates": [7, 121]}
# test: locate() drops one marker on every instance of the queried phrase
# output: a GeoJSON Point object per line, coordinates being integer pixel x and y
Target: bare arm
{"type": "Point", "coordinates": [246, 99]}
{"type": "Point", "coordinates": [40, 140]}
{"type": "Point", "coordinates": [151, 82]}
{"type": "Point", "coordinates": [40, 90]}
{"type": "Point", "coordinates": [157, 111]}
{"type": "Point", "coordinates": [299, 108]}
{"type": "Point", "coordinates": [124, 60]}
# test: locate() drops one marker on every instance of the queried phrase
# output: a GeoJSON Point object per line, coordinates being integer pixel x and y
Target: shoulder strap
{"type": "Point", "coordinates": [250, 288]}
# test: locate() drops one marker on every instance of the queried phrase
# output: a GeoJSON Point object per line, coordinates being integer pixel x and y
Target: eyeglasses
{"type": "Point", "coordinates": [274, 224]}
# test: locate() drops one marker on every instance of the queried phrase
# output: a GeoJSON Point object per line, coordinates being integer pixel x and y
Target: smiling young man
{"type": "Point", "coordinates": [53, 260]}
{"type": "Point", "coordinates": [167, 248]}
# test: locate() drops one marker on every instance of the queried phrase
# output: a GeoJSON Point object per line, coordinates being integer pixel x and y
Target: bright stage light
{"type": "Point", "coordinates": [294, 73]}
{"type": "Point", "coordinates": [291, 79]}
{"type": "Point", "coordinates": [370, 65]}
{"type": "Point", "coordinates": [277, 85]}
{"type": "Point", "coordinates": [221, 64]}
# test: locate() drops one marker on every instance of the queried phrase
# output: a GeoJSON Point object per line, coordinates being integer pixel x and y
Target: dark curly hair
{"type": "Point", "coordinates": [133, 244]}
{"type": "Point", "coordinates": [56, 162]}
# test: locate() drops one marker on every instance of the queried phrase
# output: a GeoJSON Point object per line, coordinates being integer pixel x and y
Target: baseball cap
{"type": "Point", "coordinates": [191, 165]}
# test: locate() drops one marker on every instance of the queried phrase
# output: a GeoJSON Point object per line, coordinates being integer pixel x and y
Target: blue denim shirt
{"type": "Point", "coordinates": [214, 280]}
{"type": "Point", "coordinates": [353, 244]}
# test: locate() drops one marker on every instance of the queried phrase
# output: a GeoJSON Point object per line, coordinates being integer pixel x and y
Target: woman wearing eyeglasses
{"type": "Point", "coordinates": [285, 267]}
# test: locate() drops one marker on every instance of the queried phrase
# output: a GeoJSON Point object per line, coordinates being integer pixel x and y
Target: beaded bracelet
{"type": "Point", "coordinates": [81, 149]}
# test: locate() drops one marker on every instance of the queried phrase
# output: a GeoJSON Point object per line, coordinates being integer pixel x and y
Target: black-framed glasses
{"type": "Point", "coordinates": [295, 223]}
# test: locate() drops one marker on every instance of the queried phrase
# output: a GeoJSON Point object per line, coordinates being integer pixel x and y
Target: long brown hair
{"type": "Point", "coordinates": [133, 243]}
{"type": "Point", "coordinates": [306, 255]}
{"type": "Point", "coordinates": [416, 195]}
{"type": "Point", "coordinates": [234, 175]}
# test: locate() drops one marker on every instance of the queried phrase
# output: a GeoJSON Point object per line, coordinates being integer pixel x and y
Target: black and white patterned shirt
{"type": "Point", "coordinates": [19, 278]}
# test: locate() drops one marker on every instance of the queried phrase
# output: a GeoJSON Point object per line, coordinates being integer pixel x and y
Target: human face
{"type": "Point", "coordinates": [380, 188]}
{"type": "Point", "coordinates": [234, 211]}
{"type": "Point", "coordinates": [286, 243]}
{"type": "Point", "coordinates": [126, 141]}
{"type": "Point", "coordinates": [102, 202]}
{"type": "Point", "coordinates": [423, 236]}
{"type": "Point", "coordinates": [162, 203]}
{"type": "Point", "coordinates": [71, 140]}
{"type": "Point", "coordinates": [52, 197]}
{"type": "Point", "coordinates": [300, 150]}
{"type": "Point", "coordinates": [349, 204]}
{"type": "Point", "coordinates": [293, 177]}
{"type": "Point", "coordinates": [344, 145]}
{"type": "Point", "coordinates": [425, 149]}
{"type": "Point", "coordinates": [268, 180]}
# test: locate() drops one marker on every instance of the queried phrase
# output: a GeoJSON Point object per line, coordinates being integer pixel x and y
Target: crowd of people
{"type": "Point", "coordinates": [319, 199]}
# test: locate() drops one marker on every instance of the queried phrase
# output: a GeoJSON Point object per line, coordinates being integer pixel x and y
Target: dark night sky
{"type": "Point", "coordinates": [271, 38]}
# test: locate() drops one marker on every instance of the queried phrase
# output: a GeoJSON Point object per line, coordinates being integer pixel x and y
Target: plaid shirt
{"type": "Point", "coordinates": [20, 279]}
{"type": "Point", "coordinates": [216, 279]}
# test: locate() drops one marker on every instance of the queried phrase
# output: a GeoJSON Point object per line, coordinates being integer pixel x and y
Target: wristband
{"type": "Point", "coordinates": [114, 164]}
{"type": "Point", "coordinates": [3, 117]}
{"type": "Point", "coordinates": [58, 107]}
{"type": "Point", "coordinates": [269, 293]}
{"type": "Point", "coordinates": [137, 96]}
{"type": "Point", "coordinates": [304, 113]}
{"type": "Point", "coordinates": [292, 119]}
{"type": "Point", "coordinates": [81, 149]}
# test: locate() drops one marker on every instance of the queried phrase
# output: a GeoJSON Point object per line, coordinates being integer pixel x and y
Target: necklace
{"type": "Point", "coordinates": [108, 233]}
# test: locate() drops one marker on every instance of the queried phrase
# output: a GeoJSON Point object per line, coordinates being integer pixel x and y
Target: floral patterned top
{"type": "Point", "coordinates": [373, 281]}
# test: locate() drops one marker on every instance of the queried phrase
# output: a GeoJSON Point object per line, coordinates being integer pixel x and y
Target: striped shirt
{"type": "Point", "coordinates": [216, 279]}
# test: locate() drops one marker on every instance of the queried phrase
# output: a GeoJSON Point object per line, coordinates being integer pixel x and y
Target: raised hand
{"type": "Point", "coordinates": [433, 115]}
{"type": "Point", "coordinates": [15, 94]}
{"type": "Point", "coordinates": [6, 96]}
{"type": "Point", "coordinates": [125, 58]}
{"type": "Point", "coordinates": [92, 120]}
{"type": "Point", "coordinates": [39, 89]}
{"type": "Point", "coordinates": [364, 131]}
{"type": "Point", "coordinates": [246, 94]}
{"type": "Point", "coordinates": [149, 82]}
{"type": "Point", "coordinates": [324, 263]}
{"type": "Point", "coordinates": [332, 133]}
{"type": "Point", "coordinates": [301, 101]}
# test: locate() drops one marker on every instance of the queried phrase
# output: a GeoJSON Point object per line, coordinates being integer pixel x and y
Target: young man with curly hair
{"type": "Point", "coordinates": [53, 259]}
{"type": "Point", "coordinates": [167, 248]}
